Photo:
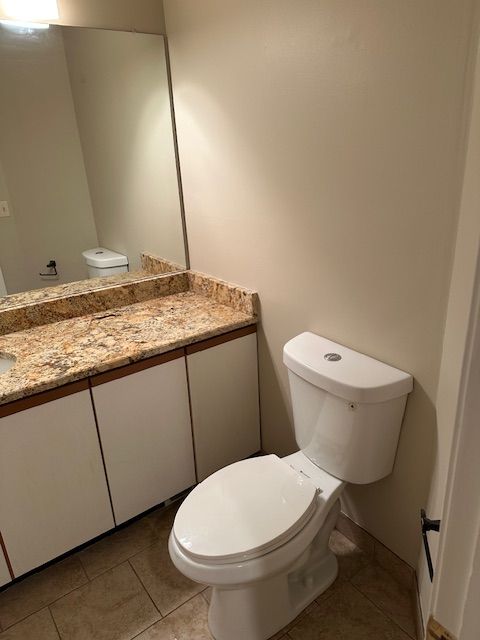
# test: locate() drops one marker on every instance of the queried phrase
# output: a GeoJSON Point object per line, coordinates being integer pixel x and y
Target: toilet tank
{"type": "Point", "coordinates": [347, 407]}
{"type": "Point", "coordinates": [103, 262]}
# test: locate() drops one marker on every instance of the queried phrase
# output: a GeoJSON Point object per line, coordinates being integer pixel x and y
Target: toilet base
{"type": "Point", "coordinates": [259, 610]}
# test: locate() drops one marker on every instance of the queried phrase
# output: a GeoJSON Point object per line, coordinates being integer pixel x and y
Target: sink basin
{"type": "Point", "coordinates": [6, 363]}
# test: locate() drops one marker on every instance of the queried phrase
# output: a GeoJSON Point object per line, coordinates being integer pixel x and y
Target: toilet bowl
{"type": "Point", "coordinates": [263, 575]}
{"type": "Point", "coordinates": [257, 531]}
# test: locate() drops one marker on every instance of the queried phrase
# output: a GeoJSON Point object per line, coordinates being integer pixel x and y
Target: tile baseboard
{"type": "Point", "coordinates": [417, 611]}
{"type": "Point", "coordinates": [397, 568]}
{"type": "Point", "coordinates": [400, 570]}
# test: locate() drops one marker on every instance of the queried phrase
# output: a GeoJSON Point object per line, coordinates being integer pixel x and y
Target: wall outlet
{"type": "Point", "coordinates": [4, 210]}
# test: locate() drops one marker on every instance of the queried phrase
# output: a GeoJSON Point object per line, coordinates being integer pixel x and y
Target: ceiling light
{"type": "Point", "coordinates": [29, 10]}
{"type": "Point", "coordinates": [17, 25]}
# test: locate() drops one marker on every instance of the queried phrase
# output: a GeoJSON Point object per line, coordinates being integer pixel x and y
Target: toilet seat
{"type": "Point", "coordinates": [245, 511]}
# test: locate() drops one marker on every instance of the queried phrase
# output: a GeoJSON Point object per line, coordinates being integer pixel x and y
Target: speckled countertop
{"type": "Point", "coordinates": [151, 265]}
{"type": "Point", "coordinates": [47, 294]}
{"type": "Point", "coordinates": [52, 355]}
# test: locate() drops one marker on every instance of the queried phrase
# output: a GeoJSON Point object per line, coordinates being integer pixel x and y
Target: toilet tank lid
{"type": "Point", "coordinates": [103, 258]}
{"type": "Point", "coordinates": [343, 372]}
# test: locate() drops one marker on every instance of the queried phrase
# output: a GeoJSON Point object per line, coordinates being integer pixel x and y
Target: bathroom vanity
{"type": "Point", "coordinates": [119, 391]}
{"type": "Point", "coordinates": [109, 414]}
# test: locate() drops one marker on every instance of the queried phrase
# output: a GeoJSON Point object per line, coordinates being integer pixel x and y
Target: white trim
{"type": "Point", "coordinates": [456, 587]}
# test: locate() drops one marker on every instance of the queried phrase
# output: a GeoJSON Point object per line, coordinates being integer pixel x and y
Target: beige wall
{"type": "Point", "coordinates": [15, 276]}
{"type": "Point", "coordinates": [42, 164]}
{"type": "Point", "coordinates": [138, 15]}
{"type": "Point", "coordinates": [319, 144]}
{"type": "Point", "coordinates": [122, 101]}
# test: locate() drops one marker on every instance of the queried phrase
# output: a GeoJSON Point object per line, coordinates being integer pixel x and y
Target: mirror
{"type": "Point", "coordinates": [87, 156]}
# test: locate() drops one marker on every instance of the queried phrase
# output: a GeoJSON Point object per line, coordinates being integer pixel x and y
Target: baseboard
{"type": "Point", "coordinates": [417, 611]}
{"type": "Point", "coordinates": [400, 570]}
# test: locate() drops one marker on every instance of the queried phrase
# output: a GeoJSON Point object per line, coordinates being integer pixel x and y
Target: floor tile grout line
{"type": "Point", "coordinates": [144, 630]}
{"type": "Point", "coordinates": [30, 615]}
{"type": "Point", "coordinates": [373, 560]}
{"type": "Point", "coordinates": [54, 623]}
{"type": "Point", "coordinates": [319, 604]}
{"type": "Point", "coordinates": [382, 611]}
{"type": "Point", "coordinates": [87, 581]}
{"type": "Point", "coordinates": [376, 544]}
{"type": "Point", "coordinates": [72, 591]}
{"type": "Point", "coordinates": [46, 604]}
{"type": "Point", "coordinates": [199, 593]}
{"type": "Point", "coordinates": [83, 567]}
{"type": "Point", "coordinates": [146, 518]}
{"type": "Point", "coordinates": [391, 574]}
{"type": "Point", "coordinates": [127, 559]}
{"type": "Point", "coordinates": [90, 580]}
{"type": "Point", "coordinates": [157, 538]}
{"type": "Point", "coordinates": [303, 614]}
{"type": "Point", "coordinates": [376, 565]}
{"type": "Point", "coordinates": [170, 613]}
{"type": "Point", "coordinates": [358, 571]}
{"type": "Point", "coordinates": [144, 587]}
{"type": "Point", "coordinates": [126, 562]}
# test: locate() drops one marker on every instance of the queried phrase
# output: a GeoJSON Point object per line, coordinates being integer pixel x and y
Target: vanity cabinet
{"type": "Point", "coordinates": [53, 491]}
{"type": "Point", "coordinates": [126, 439]}
{"type": "Point", "coordinates": [4, 572]}
{"type": "Point", "coordinates": [145, 431]}
{"type": "Point", "coordinates": [223, 381]}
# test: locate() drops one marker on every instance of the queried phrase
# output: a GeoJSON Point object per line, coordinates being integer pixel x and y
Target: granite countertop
{"type": "Point", "coordinates": [46, 294]}
{"type": "Point", "coordinates": [55, 354]}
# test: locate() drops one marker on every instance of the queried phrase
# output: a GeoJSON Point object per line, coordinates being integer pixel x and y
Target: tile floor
{"type": "Point", "coordinates": [125, 587]}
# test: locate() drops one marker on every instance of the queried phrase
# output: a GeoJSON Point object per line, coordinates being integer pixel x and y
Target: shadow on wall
{"type": "Point", "coordinates": [275, 396]}
{"type": "Point", "coordinates": [411, 478]}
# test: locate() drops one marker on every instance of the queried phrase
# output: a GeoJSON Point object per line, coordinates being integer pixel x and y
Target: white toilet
{"type": "Point", "coordinates": [103, 262]}
{"type": "Point", "coordinates": [257, 531]}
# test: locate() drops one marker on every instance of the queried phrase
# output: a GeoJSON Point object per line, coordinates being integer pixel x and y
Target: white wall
{"type": "Point", "coordinates": [319, 145]}
{"type": "Point", "coordinates": [120, 89]}
{"type": "Point", "coordinates": [140, 15]}
{"type": "Point", "coordinates": [42, 164]}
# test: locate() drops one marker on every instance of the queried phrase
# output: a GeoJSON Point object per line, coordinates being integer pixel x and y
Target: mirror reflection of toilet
{"type": "Point", "coordinates": [103, 262]}
{"type": "Point", "coordinates": [257, 531]}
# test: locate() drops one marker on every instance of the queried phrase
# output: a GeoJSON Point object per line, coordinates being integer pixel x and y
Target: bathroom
{"type": "Point", "coordinates": [327, 155]}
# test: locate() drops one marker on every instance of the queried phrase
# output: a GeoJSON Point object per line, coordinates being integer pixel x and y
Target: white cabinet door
{"type": "Point", "coordinates": [145, 430]}
{"type": "Point", "coordinates": [4, 572]}
{"type": "Point", "coordinates": [53, 490]}
{"type": "Point", "coordinates": [224, 396]}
